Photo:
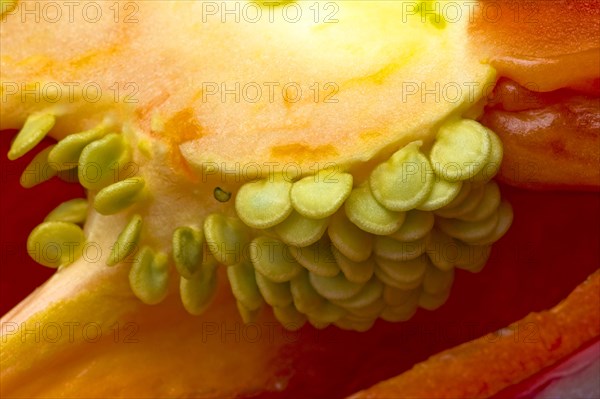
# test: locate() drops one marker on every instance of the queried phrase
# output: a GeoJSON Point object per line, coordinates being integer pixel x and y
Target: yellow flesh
{"type": "Point", "coordinates": [173, 63]}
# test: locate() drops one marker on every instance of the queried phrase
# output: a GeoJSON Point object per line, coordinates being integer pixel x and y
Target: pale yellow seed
{"type": "Point", "coordinates": [368, 294]}
{"type": "Point", "coordinates": [275, 294]}
{"type": "Point", "coordinates": [443, 250]}
{"type": "Point", "coordinates": [334, 288]}
{"type": "Point", "coordinates": [325, 314]}
{"type": "Point", "coordinates": [388, 248]}
{"type": "Point", "coordinates": [149, 276]}
{"type": "Point", "coordinates": [395, 314]}
{"type": "Point", "coordinates": [119, 196]}
{"type": "Point", "coordinates": [319, 325]}
{"type": "Point", "coordinates": [273, 259]}
{"type": "Point", "coordinates": [354, 318]}
{"type": "Point", "coordinates": [443, 193]}
{"type": "Point", "coordinates": [505, 218]}
{"type": "Point", "coordinates": [348, 324]}
{"type": "Point", "coordinates": [417, 225]}
{"type": "Point", "coordinates": [321, 195]}
{"type": "Point", "coordinates": [69, 175]}
{"type": "Point", "coordinates": [55, 244]}
{"type": "Point", "coordinates": [433, 301]}
{"type": "Point", "coordinates": [188, 250]}
{"type": "Point", "coordinates": [467, 205]}
{"type": "Point", "coordinates": [243, 285]}
{"type": "Point", "coordinates": [474, 268]}
{"type": "Point", "coordinates": [396, 297]}
{"type": "Point", "coordinates": [437, 281]}
{"type": "Point", "coordinates": [198, 291]}
{"type": "Point", "coordinates": [404, 181]}
{"type": "Point", "coordinates": [264, 203]}
{"type": "Point", "coordinates": [65, 155]}
{"type": "Point", "coordinates": [38, 170]}
{"type": "Point", "coordinates": [461, 149]}
{"type": "Point", "coordinates": [493, 166]}
{"type": "Point", "coordinates": [104, 161]}
{"type": "Point", "coordinates": [357, 272]}
{"type": "Point", "coordinates": [72, 211]}
{"type": "Point", "coordinates": [469, 231]}
{"type": "Point", "coordinates": [127, 241]}
{"type": "Point", "coordinates": [369, 311]}
{"type": "Point", "coordinates": [248, 315]}
{"type": "Point", "coordinates": [463, 194]}
{"type": "Point", "coordinates": [389, 280]}
{"type": "Point", "coordinates": [472, 257]}
{"type": "Point", "coordinates": [317, 258]}
{"type": "Point", "coordinates": [488, 204]}
{"type": "Point", "coordinates": [354, 243]}
{"type": "Point", "coordinates": [364, 211]}
{"type": "Point", "coordinates": [227, 238]}
{"type": "Point", "coordinates": [402, 274]}
{"type": "Point", "coordinates": [33, 131]}
{"type": "Point", "coordinates": [289, 317]}
{"type": "Point", "coordinates": [306, 298]}
{"type": "Point", "coordinates": [300, 231]}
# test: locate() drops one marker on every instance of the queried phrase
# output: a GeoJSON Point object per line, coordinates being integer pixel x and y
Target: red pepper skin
{"type": "Point", "coordinates": [551, 140]}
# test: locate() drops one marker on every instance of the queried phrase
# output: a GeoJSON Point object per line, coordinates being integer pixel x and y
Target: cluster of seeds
{"type": "Point", "coordinates": [96, 158]}
{"type": "Point", "coordinates": [323, 249]}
